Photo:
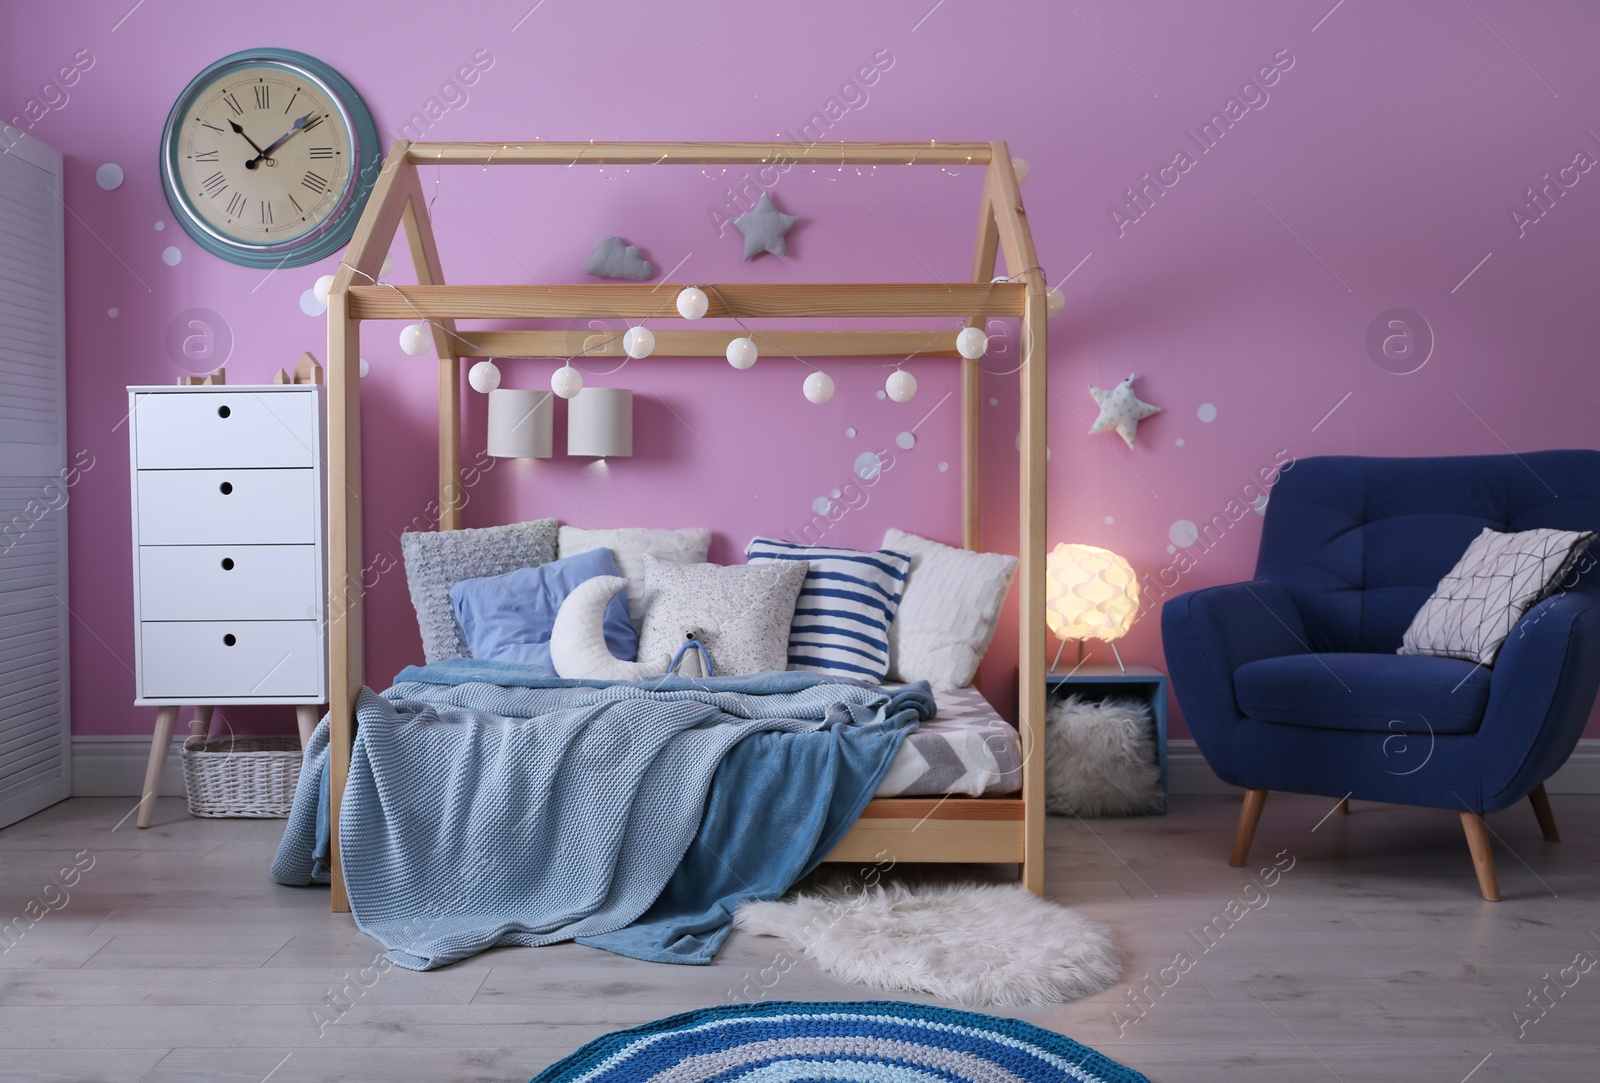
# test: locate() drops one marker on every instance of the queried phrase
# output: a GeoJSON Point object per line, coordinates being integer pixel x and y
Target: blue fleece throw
{"type": "Point", "coordinates": [488, 804]}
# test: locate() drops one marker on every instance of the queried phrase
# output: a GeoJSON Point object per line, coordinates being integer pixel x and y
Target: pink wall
{"type": "Point", "coordinates": [1376, 172]}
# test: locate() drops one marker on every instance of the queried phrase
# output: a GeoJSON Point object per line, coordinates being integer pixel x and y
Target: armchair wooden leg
{"type": "Point", "coordinates": [1248, 816]}
{"type": "Point", "coordinates": [1344, 805]}
{"type": "Point", "coordinates": [1482, 856]}
{"type": "Point", "coordinates": [1541, 809]}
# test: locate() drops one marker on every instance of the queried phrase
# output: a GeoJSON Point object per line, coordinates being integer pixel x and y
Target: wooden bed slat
{"type": "Point", "coordinates": [750, 300]}
{"type": "Point", "coordinates": [943, 808]}
{"type": "Point", "coordinates": [591, 153]}
{"type": "Point", "coordinates": [713, 344]}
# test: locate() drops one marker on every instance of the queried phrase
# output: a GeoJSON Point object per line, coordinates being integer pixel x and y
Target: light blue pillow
{"type": "Point", "coordinates": [508, 617]}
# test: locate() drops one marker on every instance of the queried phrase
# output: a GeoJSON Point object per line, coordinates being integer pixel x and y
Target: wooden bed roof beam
{"type": "Point", "coordinates": [710, 344]}
{"type": "Point", "coordinates": [592, 153]}
{"type": "Point", "coordinates": [749, 300]}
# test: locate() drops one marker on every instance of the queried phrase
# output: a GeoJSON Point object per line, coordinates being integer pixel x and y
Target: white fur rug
{"type": "Point", "coordinates": [1100, 758]}
{"type": "Point", "coordinates": [980, 944]}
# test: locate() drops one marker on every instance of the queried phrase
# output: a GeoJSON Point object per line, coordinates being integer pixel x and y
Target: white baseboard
{"type": "Point", "coordinates": [1187, 771]}
{"type": "Point", "coordinates": [114, 767]}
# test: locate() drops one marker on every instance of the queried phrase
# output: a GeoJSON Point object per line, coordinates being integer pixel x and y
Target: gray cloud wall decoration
{"type": "Point", "coordinates": [612, 258]}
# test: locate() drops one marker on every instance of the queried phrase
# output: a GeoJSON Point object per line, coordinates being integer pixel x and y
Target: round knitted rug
{"type": "Point", "coordinates": [881, 1041]}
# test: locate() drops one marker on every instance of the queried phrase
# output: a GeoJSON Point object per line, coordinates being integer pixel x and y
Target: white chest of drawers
{"type": "Point", "coordinates": [229, 591]}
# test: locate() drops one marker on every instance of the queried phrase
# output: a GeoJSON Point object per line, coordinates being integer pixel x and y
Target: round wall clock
{"type": "Point", "coordinates": [268, 157]}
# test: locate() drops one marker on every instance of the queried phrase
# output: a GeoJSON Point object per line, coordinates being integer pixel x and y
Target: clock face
{"type": "Point", "coordinates": [266, 159]}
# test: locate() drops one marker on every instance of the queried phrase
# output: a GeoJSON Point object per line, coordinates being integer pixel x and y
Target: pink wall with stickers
{"type": "Point", "coordinates": [1232, 196]}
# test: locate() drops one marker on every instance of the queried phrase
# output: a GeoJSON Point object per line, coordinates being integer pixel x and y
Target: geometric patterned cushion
{"type": "Point", "coordinates": [1475, 606]}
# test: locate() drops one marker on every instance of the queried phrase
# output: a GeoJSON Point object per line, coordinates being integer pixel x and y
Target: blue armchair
{"type": "Point", "coordinates": [1290, 681]}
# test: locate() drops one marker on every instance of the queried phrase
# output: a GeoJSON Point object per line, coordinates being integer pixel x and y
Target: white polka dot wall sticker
{"type": "Point", "coordinates": [1183, 533]}
{"type": "Point", "coordinates": [944, 468]}
{"type": "Point", "coordinates": [160, 225]}
{"type": "Point", "coordinates": [109, 176]}
{"type": "Point", "coordinates": [821, 505]}
{"type": "Point", "coordinates": [851, 433]}
{"type": "Point", "coordinates": [868, 465]}
{"type": "Point", "coordinates": [171, 256]}
{"type": "Point", "coordinates": [111, 312]}
{"type": "Point", "coordinates": [1207, 412]}
{"type": "Point", "coordinates": [1110, 520]}
{"type": "Point", "coordinates": [905, 441]}
{"type": "Point", "coordinates": [311, 305]}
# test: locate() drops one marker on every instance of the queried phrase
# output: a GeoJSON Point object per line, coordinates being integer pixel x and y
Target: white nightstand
{"type": "Point", "coordinates": [228, 580]}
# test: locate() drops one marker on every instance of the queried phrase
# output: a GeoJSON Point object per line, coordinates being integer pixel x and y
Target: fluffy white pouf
{"type": "Point", "coordinates": [1100, 758]}
{"type": "Point", "coordinates": [980, 944]}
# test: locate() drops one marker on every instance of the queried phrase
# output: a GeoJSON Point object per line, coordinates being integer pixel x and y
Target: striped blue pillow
{"type": "Point", "coordinates": [846, 604]}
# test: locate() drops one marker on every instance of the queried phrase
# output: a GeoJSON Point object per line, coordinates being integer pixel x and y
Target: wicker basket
{"type": "Point", "coordinates": [244, 777]}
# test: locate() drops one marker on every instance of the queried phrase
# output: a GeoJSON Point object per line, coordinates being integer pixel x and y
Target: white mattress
{"type": "Point", "coordinates": [966, 748]}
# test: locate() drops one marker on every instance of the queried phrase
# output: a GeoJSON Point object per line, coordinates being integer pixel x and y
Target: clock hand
{"type": "Point", "coordinates": [234, 124]}
{"type": "Point", "coordinates": [282, 139]}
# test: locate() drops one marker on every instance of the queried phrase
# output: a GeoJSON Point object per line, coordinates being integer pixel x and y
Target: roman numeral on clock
{"type": "Point", "coordinates": [233, 103]}
{"type": "Point", "coordinates": [263, 95]}
{"type": "Point", "coordinates": [206, 156]}
{"type": "Point", "coordinates": [214, 184]}
{"type": "Point", "coordinates": [236, 204]}
{"type": "Point", "coordinates": [266, 213]}
{"type": "Point", "coordinates": [321, 152]}
{"type": "Point", "coordinates": [316, 182]}
{"type": "Point", "coordinates": [312, 123]}
{"type": "Point", "coordinates": [298, 209]}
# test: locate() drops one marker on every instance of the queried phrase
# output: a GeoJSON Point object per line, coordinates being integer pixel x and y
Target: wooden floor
{"type": "Point", "coordinates": [1371, 958]}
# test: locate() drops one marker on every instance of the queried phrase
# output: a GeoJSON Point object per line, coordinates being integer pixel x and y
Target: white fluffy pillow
{"type": "Point", "coordinates": [947, 616]}
{"type": "Point", "coordinates": [629, 544]}
{"type": "Point", "coordinates": [741, 612]}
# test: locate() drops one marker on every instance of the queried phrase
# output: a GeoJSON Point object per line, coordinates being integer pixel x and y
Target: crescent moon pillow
{"type": "Point", "coordinates": [511, 617]}
{"type": "Point", "coordinates": [578, 641]}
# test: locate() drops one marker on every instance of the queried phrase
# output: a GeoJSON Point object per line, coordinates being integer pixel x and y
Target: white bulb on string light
{"type": "Point", "coordinates": [1054, 301]}
{"type": "Point", "coordinates": [971, 343]}
{"type": "Point", "coordinates": [1019, 166]}
{"type": "Point", "coordinates": [901, 386]}
{"type": "Point", "coordinates": [819, 387]}
{"type": "Point", "coordinates": [566, 381]}
{"type": "Point", "coordinates": [484, 377]}
{"type": "Point", "coordinates": [742, 353]}
{"type": "Point", "coordinates": [320, 289]}
{"type": "Point", "coordinates": [388, 265]}
{"type": "Point", "coordinates": [638, 342]}
{"type": "Point", "coordinates": [692, 302]}
{"type": "Point", "coordinates": [364, 368]}
{"type": "Point", "coordinates": [415, 339]}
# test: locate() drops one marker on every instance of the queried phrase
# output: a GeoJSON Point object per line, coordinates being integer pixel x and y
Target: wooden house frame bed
{"type": "Point", "coordinates": [906, 829]}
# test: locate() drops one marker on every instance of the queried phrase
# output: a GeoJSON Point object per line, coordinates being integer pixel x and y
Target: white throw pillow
{"type": "Point", "coordinates": [629, 544]}
{"type": "Point", "coordinates": [1478, 602]}
{"type": "Point", "coordinates": [740, 612]}
{"type": "Point", "coordinates": [947, 616]}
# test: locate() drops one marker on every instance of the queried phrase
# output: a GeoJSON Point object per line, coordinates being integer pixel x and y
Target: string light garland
{"type": "Point", "coordinates": [639, 342]}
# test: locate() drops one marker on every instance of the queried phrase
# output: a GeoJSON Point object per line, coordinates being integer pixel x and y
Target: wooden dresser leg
{"type": "Point", "coordinates": [1248, 817]}
{"type": "Point", "coordinates": [1482, 856]}
{"type": "Point", "coordinates": [166, 717]}
{"type": "Point", "coordinates": [200, 724]}
{"type": "Point", "coordinates": [1541, 809]}
{"type": "Point", "coordinates": [306, 716]}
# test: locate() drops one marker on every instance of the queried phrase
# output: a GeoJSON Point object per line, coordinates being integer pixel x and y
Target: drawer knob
{"type": "Point", "coordinates": [229, 640]}
{"type": "Point", "coordinates": [227, 564]}
{"type": "Point", "coordinates": [223, 411]}
{"type": "Point", "coordinates": [226, 487]}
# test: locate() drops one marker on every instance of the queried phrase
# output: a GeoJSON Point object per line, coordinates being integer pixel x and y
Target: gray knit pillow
{"type": "Point", "coordinates": [741, 612]}
{"type": "Point", "coordinates": [437, 560]}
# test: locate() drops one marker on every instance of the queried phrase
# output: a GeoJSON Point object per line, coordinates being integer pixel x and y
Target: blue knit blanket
{"type": "Point", "coordinates": [488, 804]}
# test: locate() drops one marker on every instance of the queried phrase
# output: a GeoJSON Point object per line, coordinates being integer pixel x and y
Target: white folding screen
{"type": "Point", "coordinates": [35, 749]}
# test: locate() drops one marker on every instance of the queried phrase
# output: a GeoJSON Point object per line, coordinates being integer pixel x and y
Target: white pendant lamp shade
{"type": "Point", "coordinates": [521, 423]}
{"type": "Point", "coordinates": [600, 422]}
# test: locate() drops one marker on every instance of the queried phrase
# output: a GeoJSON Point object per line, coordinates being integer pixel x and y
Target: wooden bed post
{"type": "Point", "coordinates": [345, 560]}
{"type": "Point", "coordinates": [425, 258]}
{"type": "Point", "coordinates": [983, 258]}
{"type": "Point", "coordinates": [1017, 243]}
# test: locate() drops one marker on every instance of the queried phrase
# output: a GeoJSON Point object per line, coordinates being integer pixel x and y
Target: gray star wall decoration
{"type": "Point", "coordinates": [764, 229]}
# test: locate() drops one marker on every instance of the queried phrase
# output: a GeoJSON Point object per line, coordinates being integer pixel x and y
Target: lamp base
{"type": "Point", "coordinates": [1111, 643]}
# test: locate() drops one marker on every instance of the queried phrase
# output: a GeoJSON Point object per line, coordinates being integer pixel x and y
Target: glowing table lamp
{"type": "Point", "coordinates": [1090, 593]}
